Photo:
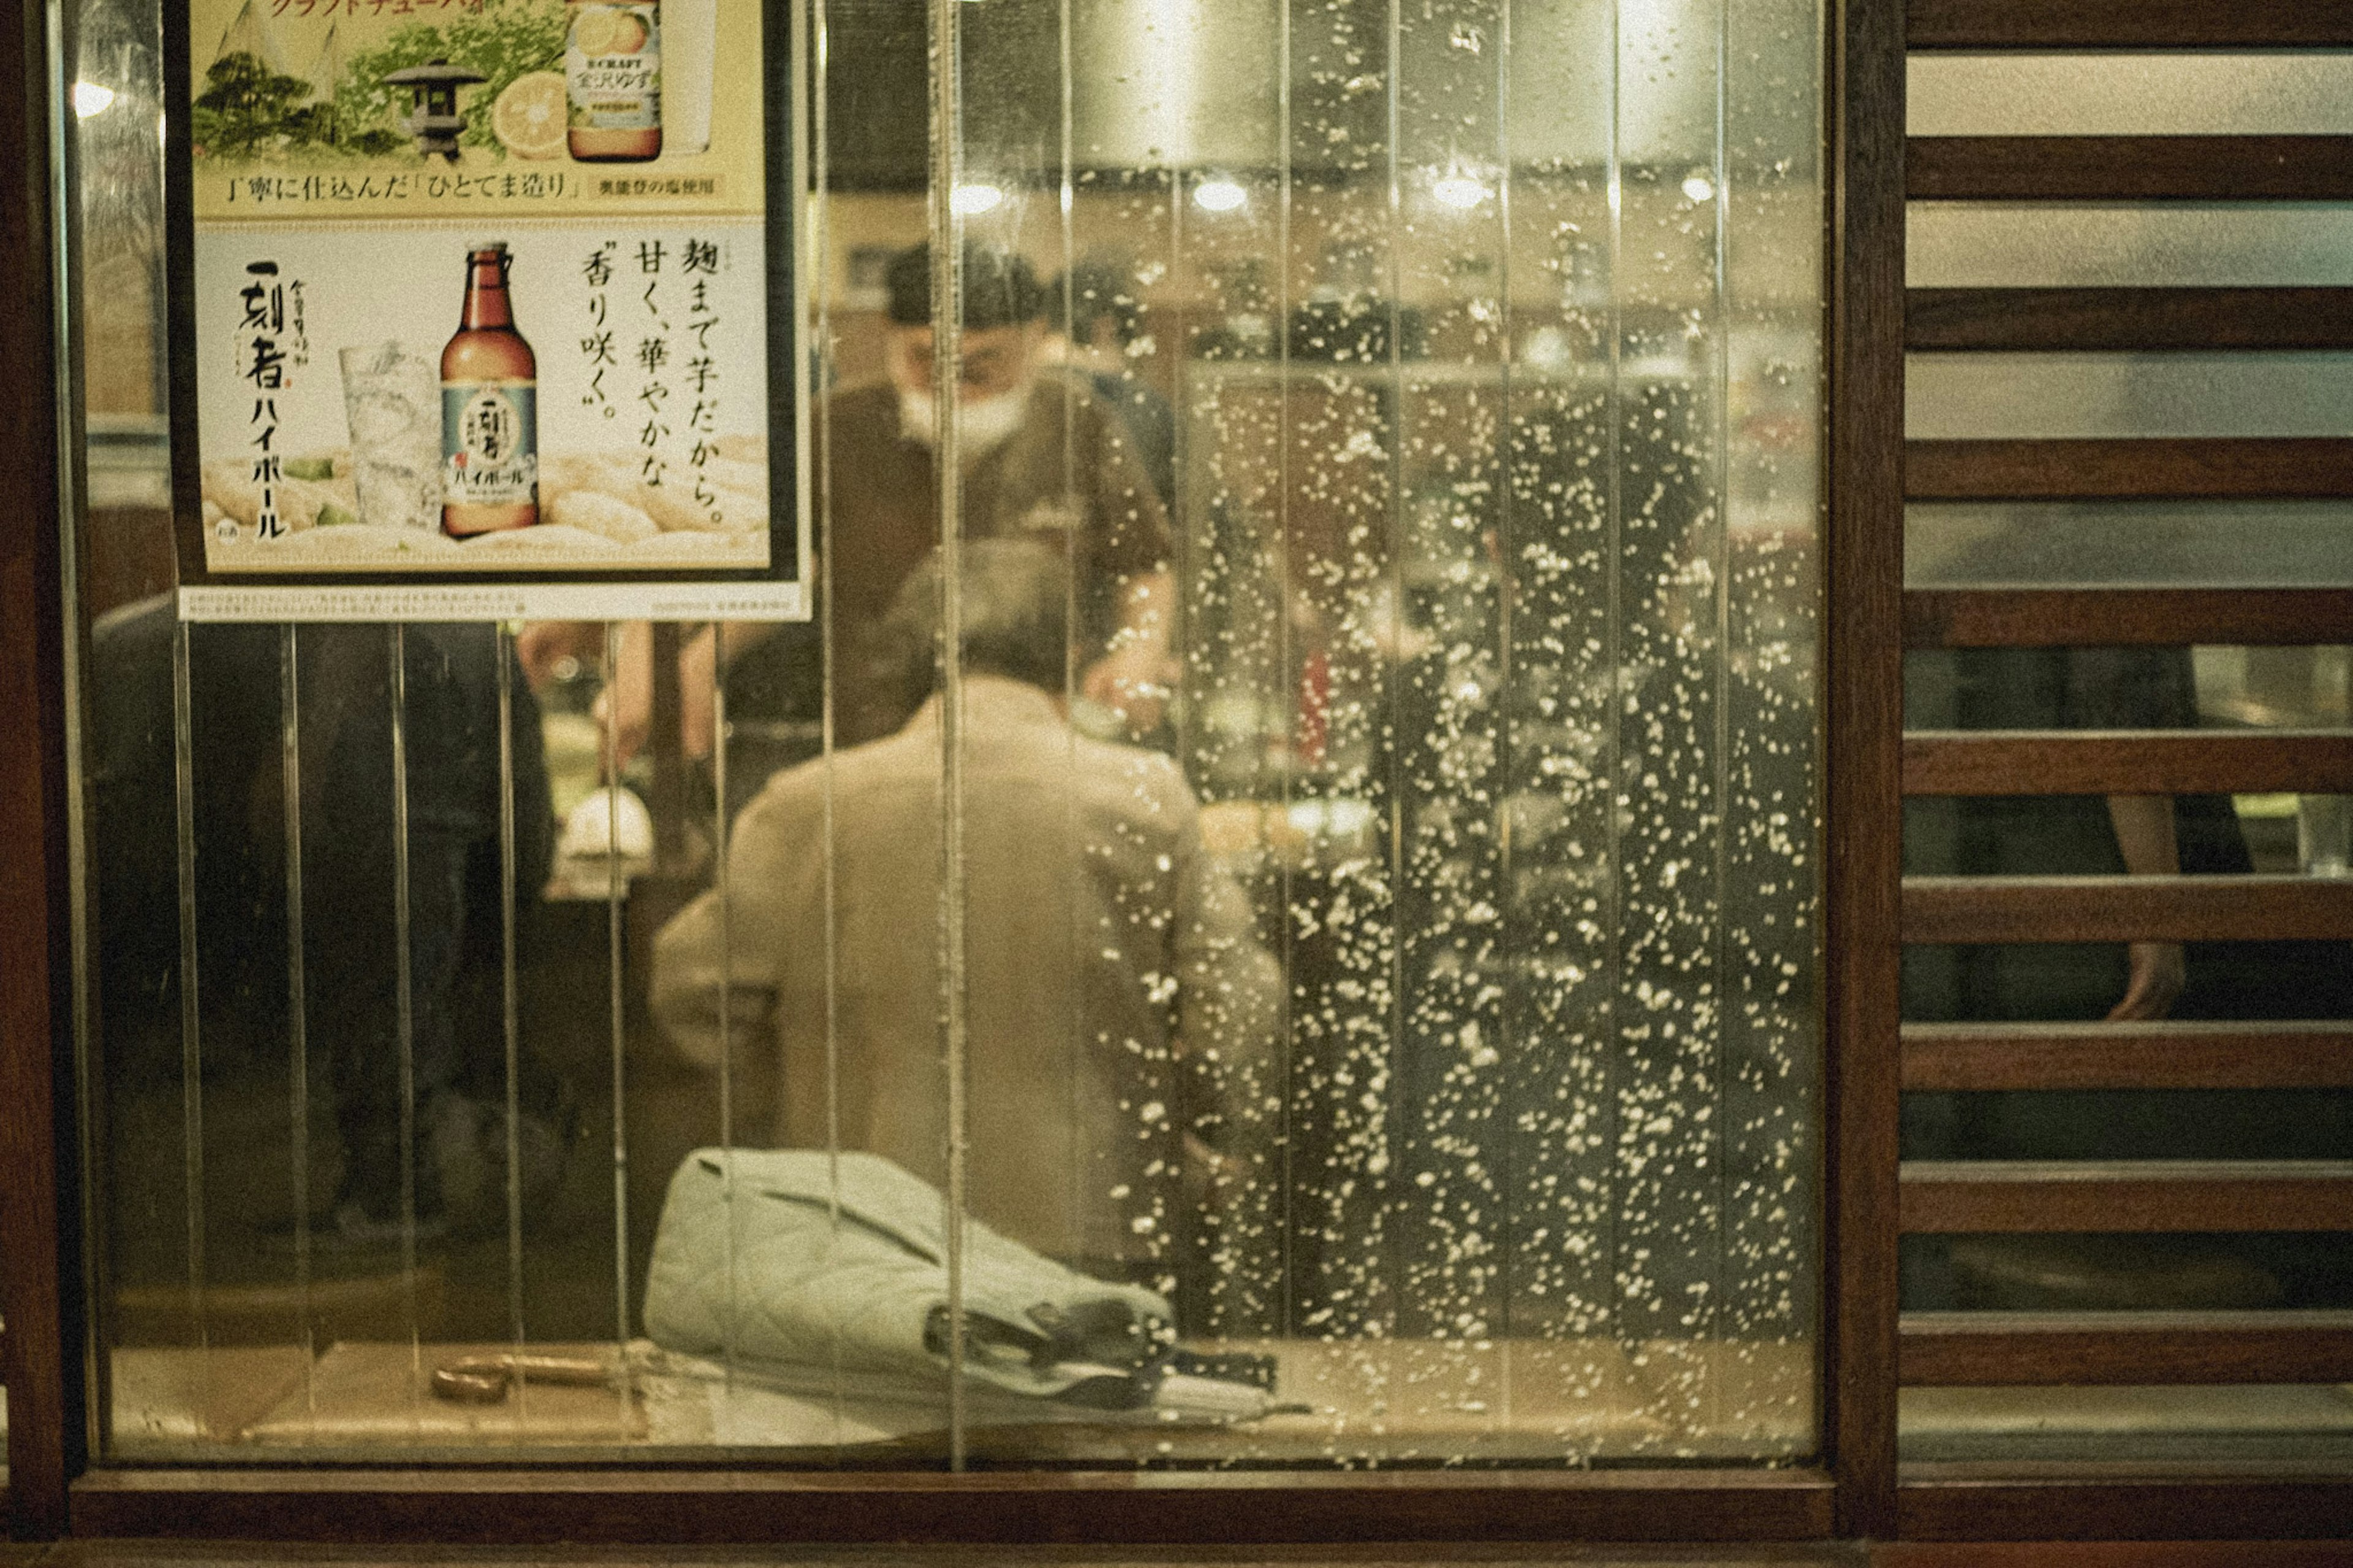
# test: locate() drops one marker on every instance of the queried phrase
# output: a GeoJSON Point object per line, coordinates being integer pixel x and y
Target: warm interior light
{"type": "Point", "coordinates": [1219, 195]}
{"type": "Point", "coordinates": [971, 201]}
{"type": "Point", "coordinates": [89, 99]}
{"type": "Point", "coordinates": [1700, 188]}
{"type": "Point", "coordinates": [1459, 191]}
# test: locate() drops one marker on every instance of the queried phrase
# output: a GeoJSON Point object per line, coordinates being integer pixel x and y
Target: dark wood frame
{"type": "Point", "coordinates": [2029, 1501]}
{"type": "Point", "coordinates": [35, 915]}
{"type": "Point", "coordinates": [522, 1502]}
{"type": "Point", "coordinates": [1857, 1489]}
{"type": "Point", "coordinates": [1863, 702]}
{"type": "Point", "coordinates": [1852, 1493]}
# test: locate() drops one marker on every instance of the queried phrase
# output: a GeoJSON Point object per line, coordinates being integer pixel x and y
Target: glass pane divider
{"type": "Point", "coordinates": [404, 1017]}
{"type": "Point", "coordinates": [192, 1062]}
{"type": "Point", "coordinates": [947, 231]}
{"type": "Point", "coordinates": [617, 1003]}
{"type": "Point", "coordinates": [298, 1050]}
{"type": "Point", "coordinates": [511, 1016]}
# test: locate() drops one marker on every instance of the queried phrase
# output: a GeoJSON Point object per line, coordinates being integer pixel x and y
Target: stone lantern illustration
{"type": "Point", "coordinates": [433, 89]}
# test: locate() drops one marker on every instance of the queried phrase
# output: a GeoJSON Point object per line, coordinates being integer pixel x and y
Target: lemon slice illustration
{"type": "Point", "coordinates": [606, 30]}
{"type": "Point", "coordinates": [528, 118]}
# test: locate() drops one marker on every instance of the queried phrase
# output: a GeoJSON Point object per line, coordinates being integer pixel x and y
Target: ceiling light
{"type": "Point", "coordinates": [1219, 195]}
{"type": "Point", "coordinates": [89, 99]}
{"type": "Point", "coordinates": [1459, 191]}
{"type": "Point", "coordinates": [971, 201]}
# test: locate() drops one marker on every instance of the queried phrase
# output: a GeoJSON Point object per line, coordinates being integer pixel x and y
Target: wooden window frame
{"type": "Point", "coordinates": [1854, 1491]}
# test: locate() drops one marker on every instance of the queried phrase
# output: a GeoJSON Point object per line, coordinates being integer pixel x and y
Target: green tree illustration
{"type": "Point", "coordinates": [246, 108]}
{"type": "Point", "coordinates": [503, 40]}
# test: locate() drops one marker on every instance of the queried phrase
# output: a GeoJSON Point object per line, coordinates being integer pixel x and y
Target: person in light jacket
{"type": "Point", "coordinates": [1115, 1065]}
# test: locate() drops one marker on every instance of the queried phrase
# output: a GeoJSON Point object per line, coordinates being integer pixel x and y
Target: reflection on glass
{"type": "Point", "coordinates": [2127, 544]}
{"type": "Point", "coordinates": [2091, 245]}
{"type": "Point", "coordinates": [1995, 397]}
{"type": "Point", "coordinates": [1370, 1010]}
{"type": "Point", "coordinates": [2242, 93]}
{"type": "Point", "coordinates": [2307, 1424]}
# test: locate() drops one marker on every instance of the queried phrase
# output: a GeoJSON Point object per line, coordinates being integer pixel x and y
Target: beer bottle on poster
{"type": "Point", "coordinates": [612, 80]}
{"type": "Point", "coordinates": [489, 408]}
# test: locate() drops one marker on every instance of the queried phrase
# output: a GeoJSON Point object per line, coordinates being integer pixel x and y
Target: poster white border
{"type": "Point", "coordinates": [412, 602]}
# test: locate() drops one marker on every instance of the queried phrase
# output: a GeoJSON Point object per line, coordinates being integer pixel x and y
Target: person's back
{"type": "Point", "coordinates": [1108, 965]}
{"type": "Point", "coordinates": [1073, 856]}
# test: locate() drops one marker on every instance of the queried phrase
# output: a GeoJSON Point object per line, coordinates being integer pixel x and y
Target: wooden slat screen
{"type": "Point", "coordinates": [1995, 1349]}
{"type": "Point", "coordinates": [2040, 1197]}
{"type": "Point", "coordinates": [2127, 25]}
{"type": "Point", "coordinates": [2123, 618]}
{"type": "Point", "coordinates": [1967, 1057]}
{"type": "Point", "coordinates": [2129, 168]}
{"type": "Point", "coordinates": [2119, 320]}
{"type": "Point", "coordinates": [2126, 909]}
{"type": "Point", "coordinates": [1962, 1349]}
{"type": "Point", "coordinates": [2196, 468]}
{"type": "Point", "coordinates": [2127, 761]}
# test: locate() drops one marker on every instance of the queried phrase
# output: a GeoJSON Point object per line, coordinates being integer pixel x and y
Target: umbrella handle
{"type": "Point", "coordinates": [485, 1379]}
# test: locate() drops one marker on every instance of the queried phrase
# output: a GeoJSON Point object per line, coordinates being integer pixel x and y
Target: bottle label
{"type": "Point", "coordinates": [612, 67]}
{"type": "Point", "coordinates": [490, 442]}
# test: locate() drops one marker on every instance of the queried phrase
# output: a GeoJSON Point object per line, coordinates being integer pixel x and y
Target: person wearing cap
{"type": "Point", "coordinates": [1039, 456]}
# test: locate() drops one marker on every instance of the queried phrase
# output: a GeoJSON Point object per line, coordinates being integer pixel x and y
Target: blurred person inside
{"type": "Point", "coordinates": [1039, 457]}
{"type": "Point", "coordinates": [1121, 1005]}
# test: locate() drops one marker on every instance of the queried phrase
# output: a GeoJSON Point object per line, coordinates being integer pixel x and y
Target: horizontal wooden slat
{"type": "Point", "coordinates": [738, 1505]}
{"type": "Point", "coordinates": [2038, 1348]}
{"type": "Point", "coordinates": [2126, 909]}
{"type": "Point", "coordinates": [2126, 25]}
{"type": "Point", "coordinates": [2175, 468]}
{"type": "Point", "coordinates": [2188, 1515]}
{"type": "Point", "coordinates": [2176, 1196]}
{"type": "Point", "coordinates": [2127, 319]}
{"type": "Point", "coordinates": [2127, 761]}
{"type": "Point", "coordinates": [2128, 168]}
{"type": "Point", "coordinates": [2117, 617]}
{"type": "Point", "coordinates": [1967, 1057]}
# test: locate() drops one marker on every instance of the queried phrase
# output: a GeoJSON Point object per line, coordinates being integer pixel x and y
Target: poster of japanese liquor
{"type": "Point", "coordinates": [484, 297]}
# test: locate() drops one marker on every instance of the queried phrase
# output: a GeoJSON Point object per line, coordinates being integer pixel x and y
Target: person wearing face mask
{"type": "Point", "coordinates": [1040, 458]}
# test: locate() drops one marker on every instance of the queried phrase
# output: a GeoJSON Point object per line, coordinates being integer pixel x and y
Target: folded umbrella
{"type": "Point", "coordinates": [808, 1259]}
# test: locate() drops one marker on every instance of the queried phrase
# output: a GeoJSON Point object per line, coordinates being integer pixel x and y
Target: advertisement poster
{"type": "Point", "coordinates": [485, 296]}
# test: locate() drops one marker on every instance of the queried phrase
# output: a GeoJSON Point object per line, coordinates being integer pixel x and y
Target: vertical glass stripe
{"type": "Point", "coordinates": [298, 1046]}
{"type": "Point", "coordinates": [725, 888]}
{"type": "Point", "coordinates": [404, 1012]}
{"type": "Point", "coordinates": [191, 1056]}
{"type": "Point", "coordinates": [1513, 927]}
{"type": "Point", "coordinates": [510, 1006]}
{"type": "Point", "coordinates": [1603, 1311]}
{"type": "Point", "coordinates": [616, 890]}
{"type": "Point", "coordinates": [1284, 1211]}
{"type": "Point", "coordinates": [947, 322]}
{"type": "Point", "coordinates": [1386, 1261]}
{"type": "Point", "coordinates": [1710, 1317]}
{"type": "Point", "coordinates": [820, 231]}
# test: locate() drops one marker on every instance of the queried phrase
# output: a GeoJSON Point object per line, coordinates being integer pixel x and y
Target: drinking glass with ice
{"type": "Point", "coordinates": [392, 398]}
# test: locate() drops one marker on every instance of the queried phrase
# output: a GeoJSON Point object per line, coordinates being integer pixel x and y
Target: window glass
{"type": "Point", "coordinates": [2093, 245]}
{"type": "Point", "coordinates": [1989, 396]}
{"type": "Point", "coordinates": [1271, 916]}
{"type": "Point", "coordinates": [2262, 1424]}
{"type": "Point", "coordinates": [2243, 93]}
{"type": "Point", "coordinates": [2127, 544]}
